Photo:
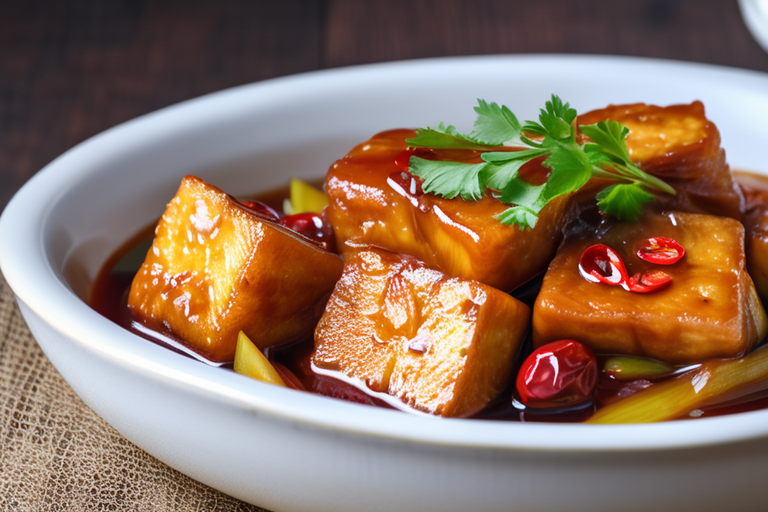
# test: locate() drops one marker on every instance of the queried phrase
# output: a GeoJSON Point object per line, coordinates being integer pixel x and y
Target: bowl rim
{"type": "Point", "coordinates": [39, 286]}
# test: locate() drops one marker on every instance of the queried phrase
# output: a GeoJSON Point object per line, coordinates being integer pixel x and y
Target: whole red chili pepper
{"type": "Point", "coordinates": [557, 374]}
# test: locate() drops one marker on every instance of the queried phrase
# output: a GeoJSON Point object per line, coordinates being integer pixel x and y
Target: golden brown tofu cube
{"type": "Point", "coordinates": [710, 310]}
{"type": "Point", "coordinates": [215, 268]}
{"type": "Point", "coordinates": [681, 146]}
{"type": "Point", "coordinates": [441, 345]}
{"type": "Point", "coordinates": [755, 189]}
{"type": "Point", "coordinates": [461, 238]}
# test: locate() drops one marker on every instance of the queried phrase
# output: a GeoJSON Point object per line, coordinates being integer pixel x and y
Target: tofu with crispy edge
{"type": "Point", "coordinates": [682, 147]}
{"type": "Point", "coordinates": [710, 310]}
{"type": "Point", "coordinates": [755, 189]}
{"type": "Point", "coordinates": [441, 345]}
{"type": "Point", "coordinates": [215, 268]}
{"type": "Point", "coordinates": [369, 206]}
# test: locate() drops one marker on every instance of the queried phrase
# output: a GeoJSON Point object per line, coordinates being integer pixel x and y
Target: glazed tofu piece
{"type": "Point", "coordinates": [372, 205]}
{"type": "Point", "coordinates": [710, 310]}
{"type": "Point", "coordinates": [755, 189]}
{"type": "Point", "coordinates": [215, 268]}
{"type": "Point", "coordinates": [681, 146]}
{"type": "Point", "coordinates": [441, 345]}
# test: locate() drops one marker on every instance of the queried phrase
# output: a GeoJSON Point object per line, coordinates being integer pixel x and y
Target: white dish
{"type": "Point", "coordinates": [286, 450]}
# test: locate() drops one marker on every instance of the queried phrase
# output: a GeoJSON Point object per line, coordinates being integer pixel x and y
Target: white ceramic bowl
{"type": "Point", "coordinates": [286, 450]}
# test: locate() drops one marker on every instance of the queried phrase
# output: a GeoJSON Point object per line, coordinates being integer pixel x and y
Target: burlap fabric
{"type": "Point", "coordinates": [57, 454]}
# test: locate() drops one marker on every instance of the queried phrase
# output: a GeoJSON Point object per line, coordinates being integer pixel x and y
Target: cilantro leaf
{"type": "Point", "coordinates": [495, 125]}
{"type": "Point", "coordinates": [569, 172]}
{"type": "Point", "coordinates": [610, 150]}
{"type": "Point", "coordinates": [553, 136]}
{"type": "Point", "coordinates": [555, 120]}
{"type": "Point", "coordinates": [449, 179]}
{"type": "Point", "coordinates": [444, 137]}
{"type": "Point", "coordinates": [624, 200]}
{"type": "Point", "coordinates": [500, 157]}
{"type": "Point", "coordinates": [498, 177]}
{"type": "Point", "coordinates": [505, 165]}
{"type": "Point", "coordinates": [571, 168]}
{"type": "Point", "coordinates": [518, 215]}
{"type": "Point", "coordinates": [597, 156]}
{"type": "Point", "coordinates": [522, 193]}
{"type": "Point", "coordinates": [611, 137]}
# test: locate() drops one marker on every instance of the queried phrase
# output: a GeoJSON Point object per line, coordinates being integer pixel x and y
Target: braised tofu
{"type": "Point", "coordinates": [374, 203]}
{"type": "Point", "coordinates": [215, 269]}
{"type": "Point", "coordinates": [442, 345]}
{"type": "Point", "coordinates": [755, 189]}
{"type": "Point", "coordinates": [682, 147]}
{"type": "Point", "coordinates": [710, 310]}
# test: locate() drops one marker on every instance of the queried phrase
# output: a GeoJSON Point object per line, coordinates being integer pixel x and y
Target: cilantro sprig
{"type": "Point", "coordinates": [553, 137]}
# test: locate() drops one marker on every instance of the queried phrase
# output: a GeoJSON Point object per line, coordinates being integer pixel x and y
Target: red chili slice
{"type": "Point", "coordinates": [661, 250]}
{"type": "Point", "coordinates": [601, 264]}
{"type": "Point", "coordinates": [649, 281]}
{"type": "Point", "coordinates": [556, 374]}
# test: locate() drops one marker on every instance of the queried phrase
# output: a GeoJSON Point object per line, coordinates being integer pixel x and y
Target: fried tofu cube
{"type": "Point", "coordinates": [710, 310]}
{"type": "Point", "coordinates": [215, 269]}
{"type": "Point", "coordinates": [682, 147]}
{"type": "Point", "coordinates": [369, 207]}
{"type": "Point", "coordinates": [755, 189]}
{"type": "Point", "coordinates": [441, 345]}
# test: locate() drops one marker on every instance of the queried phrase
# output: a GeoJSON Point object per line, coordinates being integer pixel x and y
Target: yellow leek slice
{"type": "Point", "coordinates": [249, 361]}
{"type": "Point", "coordinates": [713, 382]}
{"type": "Point", "coordinates": [306, 198]}
{"type": "Point", "coordinates": [633, 368]}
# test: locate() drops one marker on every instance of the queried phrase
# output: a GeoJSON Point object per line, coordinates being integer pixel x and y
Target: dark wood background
{"type": "Point", "coordinates": [70, 69]}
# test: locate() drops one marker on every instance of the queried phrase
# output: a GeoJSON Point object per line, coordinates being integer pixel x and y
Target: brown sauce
{"type": "Point", "coordinates": [110, 294]}
{"type": "Point", "coordinates": [109, 297]}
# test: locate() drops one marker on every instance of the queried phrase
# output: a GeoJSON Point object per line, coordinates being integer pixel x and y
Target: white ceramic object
{"type": "Point", "coordinates": [290, 451]}
{"type": "Point", "coordinates": [755, 14]}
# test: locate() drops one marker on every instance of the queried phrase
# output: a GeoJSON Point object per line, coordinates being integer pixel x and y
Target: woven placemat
{"type": "Point", "coordinates": [57, 454]}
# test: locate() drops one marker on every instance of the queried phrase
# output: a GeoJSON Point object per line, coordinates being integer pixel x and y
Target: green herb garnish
{"type": "Point", "coordinates": [554, 137]}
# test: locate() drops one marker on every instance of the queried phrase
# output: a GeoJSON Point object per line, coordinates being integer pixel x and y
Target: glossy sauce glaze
{"type": "Point", "coordinates": [371, 188]}
{"type": "Point", "coordinates": [109, 297]}
{"type": "Point", "coordinates": [293, 362]}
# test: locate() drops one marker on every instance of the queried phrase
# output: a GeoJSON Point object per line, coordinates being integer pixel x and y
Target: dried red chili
{"type": "Point", "coordinates": [661, 250]}
{"type": "Point", "coordinates": [557, 374]}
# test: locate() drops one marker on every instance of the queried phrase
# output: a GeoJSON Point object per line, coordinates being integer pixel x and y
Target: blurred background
{"type": "Point", "coordinates": [71, 69]}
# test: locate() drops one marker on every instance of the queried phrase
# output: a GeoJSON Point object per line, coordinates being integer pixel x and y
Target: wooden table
{"type": "Point", "coordinates": [69, 70]}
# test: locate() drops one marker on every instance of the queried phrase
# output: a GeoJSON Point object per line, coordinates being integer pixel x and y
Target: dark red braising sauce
{"type": "Point", "coordinates": [109, 297]}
